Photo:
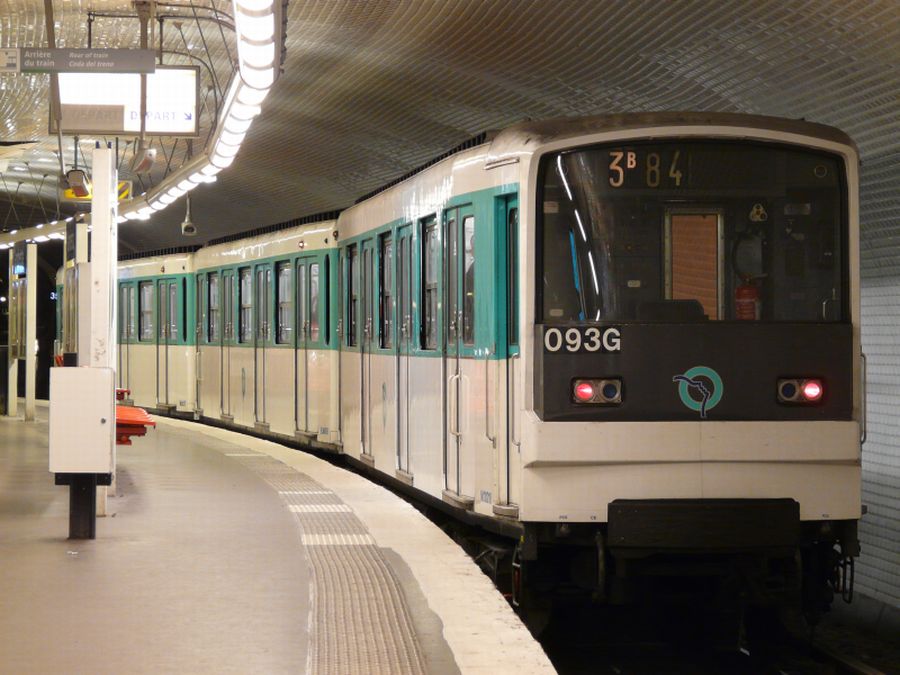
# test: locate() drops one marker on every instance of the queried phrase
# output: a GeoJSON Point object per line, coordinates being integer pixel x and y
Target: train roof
{"type": "Point", "coordinates": [529, 134]}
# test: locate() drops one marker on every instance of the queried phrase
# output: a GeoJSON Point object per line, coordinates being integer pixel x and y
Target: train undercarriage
{"type": "Point", "coordinates": [752, 560]}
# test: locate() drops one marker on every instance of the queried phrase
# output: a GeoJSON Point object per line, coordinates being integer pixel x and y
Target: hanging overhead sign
{"type": "Point", "coordinates": [9, 60]}
{"type": "Point", "coordinates": [47, 60]}
{"type": "Point", "coordinates": [110, 103]}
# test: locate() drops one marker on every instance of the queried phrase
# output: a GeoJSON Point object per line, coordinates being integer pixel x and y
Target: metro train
{"type": "Point", "coordinates": [630, 344]}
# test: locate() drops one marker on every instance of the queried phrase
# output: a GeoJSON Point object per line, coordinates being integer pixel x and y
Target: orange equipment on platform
{"type": "Point", "coordinates": [131, 422]}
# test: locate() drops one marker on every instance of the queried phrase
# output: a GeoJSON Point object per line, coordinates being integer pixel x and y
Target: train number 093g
{"type": "Point", "coordinates": [582, 339]}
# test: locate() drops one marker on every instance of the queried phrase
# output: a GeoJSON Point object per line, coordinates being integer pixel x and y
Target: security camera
{"type": "Point", "coordinates": [78, 183]}
{"type": "Point", "coordinates": [143, 160]}
{"type": "Point", "coordinates": [188, 229]}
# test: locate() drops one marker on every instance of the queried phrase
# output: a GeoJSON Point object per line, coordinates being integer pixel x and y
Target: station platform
{"type": "Point", "coordinates": [223, 553]}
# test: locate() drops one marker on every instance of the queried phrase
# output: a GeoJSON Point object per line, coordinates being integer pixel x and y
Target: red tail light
{"type": "Point", "coordinates": [584, 391]}
{"type": "Point", "coordinates": [812, 390]}
{"type": "Point", "coordinates": [800, 390]}
{"type": "Point", "coordinates": [606, 391]}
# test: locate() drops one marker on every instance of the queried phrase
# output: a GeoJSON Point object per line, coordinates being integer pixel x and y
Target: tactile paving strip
{"type": "Point", "coordinates": [361, 623]}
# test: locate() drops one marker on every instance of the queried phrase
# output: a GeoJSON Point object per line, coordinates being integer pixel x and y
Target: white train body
{"type": "Point", "coordinates": [457, 382]}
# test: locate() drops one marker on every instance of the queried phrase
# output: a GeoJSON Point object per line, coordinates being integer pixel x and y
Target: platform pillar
{"type": "Point", "coordinates": [12, 387]}
{"type": "Point", "coordinates": [12, 382]}
{"type": "Point", "coordinates": [82, 400]}
{"type": "Point", "coordinates": [30, 329]}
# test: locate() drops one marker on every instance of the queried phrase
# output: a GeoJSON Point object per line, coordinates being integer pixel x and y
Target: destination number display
{"type": "Point", "coordinates": [574, 339]}
{"type": "Point", "coordinates": [664, 167]}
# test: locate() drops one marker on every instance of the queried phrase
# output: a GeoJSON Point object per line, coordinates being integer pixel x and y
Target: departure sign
{"type": "Point", "coordinates": [647, 168]}
{"type": "Point", "coordinates": [110, 103]}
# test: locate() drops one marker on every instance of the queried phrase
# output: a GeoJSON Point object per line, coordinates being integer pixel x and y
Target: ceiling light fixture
{"type": "Point", "coordinates": [257, 30]}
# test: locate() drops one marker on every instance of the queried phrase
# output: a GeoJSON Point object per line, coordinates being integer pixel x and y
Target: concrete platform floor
{"type": "Point", "coordinates": [228, 554]}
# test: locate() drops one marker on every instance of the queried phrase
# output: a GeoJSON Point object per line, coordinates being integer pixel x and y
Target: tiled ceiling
{"type": "Point", "coordinates": [374, 88]}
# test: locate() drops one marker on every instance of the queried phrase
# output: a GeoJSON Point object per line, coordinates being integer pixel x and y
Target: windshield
{"type": "Point", "coordinates": [691, 231]}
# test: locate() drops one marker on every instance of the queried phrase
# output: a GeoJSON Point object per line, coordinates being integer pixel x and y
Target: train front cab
{"type": "Point", "coordinates": [694, 405]}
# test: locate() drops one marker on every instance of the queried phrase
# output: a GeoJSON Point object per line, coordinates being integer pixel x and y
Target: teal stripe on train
{"type": "Point", "coordinates": [491, 209]}
{"type": "Point", "coordinates": [495, 268]}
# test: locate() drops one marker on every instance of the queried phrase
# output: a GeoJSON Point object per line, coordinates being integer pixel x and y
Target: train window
{"type": "Point", "coordinates": [228, 306]}
{"type": "Point", "coordinates": [693, 243]}
{"type": "Point", "coordinates": [173, 311]}
{"type": "Point", "coordinates": [468, 285]}
{"type": "Point", "coordinates": [452, 267]}
{"type": "Point", "coordinates": [184, 305]}
{"type": "Point", "coordinates": [429, 283]}
{"type": "Point", "coordinates": [162, 315]}
{"type": "Point", "coordinates": [512, 272]}
{"type": "Point", "coordinates": [404, 291]}
{"type": "Point", "coordinates": [367, 291]}
{"type": "Point", "coordinates": [284, 303]}
{"type": "Point", "coordinates": [302, 296]}
{"type": "Point", "coordinates": [314, 302]}
{"type": "Point", "coordinates": [326, 298]}
{"type": "Point", "coordinates": [263, 285]}
{"type": "Point", "coordinates": [123, 312]}
{"type": "Point", "coordinates": [146, 308]}
{"type": "Point", "coordinates": [386, 293]}
{"type": "Point", "coordinates": [352, 294]}
{"type": "Point", "coordinates": [212, 317]}
{"type": "Point", "coordinates": [132, 312]}
{"type": "Point", "coordinates": [202, 308]}
{"type": "Point", "coordinates": [758, 233]}
{"type": "Point", "coordinates": [245, 305]}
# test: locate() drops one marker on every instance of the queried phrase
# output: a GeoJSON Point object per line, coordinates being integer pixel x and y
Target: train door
{"type": "Point", "coordinates": [694, 258]}
{"type": "Point", "coordinates": [261, 340]}
{"type": "Point", "coordinates": [227, 341]}
{"type": "Point", "coordinates": [367, 251]}
{"type": "Point", "coordinates": [301, 371]}
{"type": "Point", "coordinates": [125, 333]}
{"type": "Point", "coordinates": [199, 330]}
{"type": "Point", "coordinates": [383, 381]}
{"type": "Point", "coordinates": [132, 335]}
{"type": "Point", "coordinates": [211, 355]}
{"type": "Point", "coordinates": [242, 357]}
{"type": "Point", "coordinates": [458, 330]}
{"type": "Point", "coordinates": [508, 443]}
{"type": "Point", "coordinates": [172, 338]}
{"type": "Point", "coordinates": [404, 342]}
{"type": "Point", "coordinates": [167, 335]}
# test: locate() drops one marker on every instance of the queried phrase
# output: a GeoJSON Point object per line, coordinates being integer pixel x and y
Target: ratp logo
{"type": "Point", "coordinates": [700, 389]}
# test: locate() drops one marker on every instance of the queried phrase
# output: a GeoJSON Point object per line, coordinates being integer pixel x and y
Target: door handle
{"type": "Point", "coordinates": [453, 426]}
{"type": "Point", "coordinates": [513, 416]}
{"type": "Point", "coordinates": [487, 401]}
{"type": "Point", "coordinates": [862, 393]}
{"type": "Point", "coordinates": [825, 302]}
